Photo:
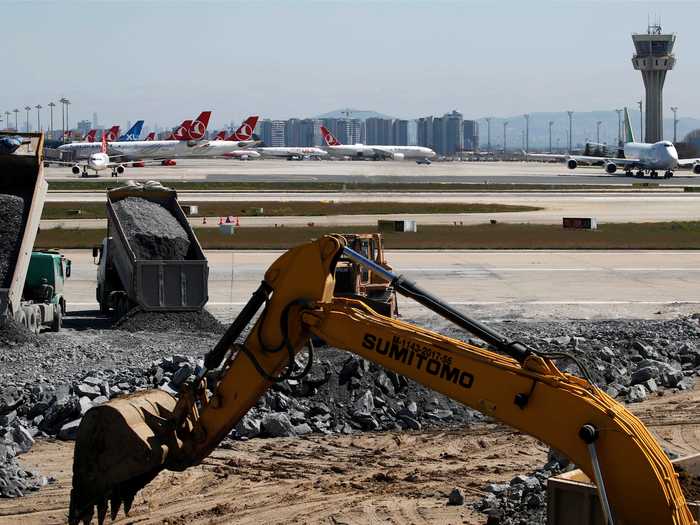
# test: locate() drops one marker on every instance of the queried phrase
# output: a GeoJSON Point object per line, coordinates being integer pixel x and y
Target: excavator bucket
{"type": "Point", "coordinates": [119, 449]}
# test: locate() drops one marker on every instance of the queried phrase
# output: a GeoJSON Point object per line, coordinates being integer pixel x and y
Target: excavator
{"type": "Point", "coordinates": [122, 445]}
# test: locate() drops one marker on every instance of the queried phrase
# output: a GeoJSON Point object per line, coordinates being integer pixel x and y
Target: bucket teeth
{"type": "Point", "coordinates": [115, 503]}
{"type": "Point", "coordinates": [101, 511]}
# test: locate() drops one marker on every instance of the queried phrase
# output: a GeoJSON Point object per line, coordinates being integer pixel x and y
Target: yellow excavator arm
{"type": "Point", "coordinates": [123, 444]}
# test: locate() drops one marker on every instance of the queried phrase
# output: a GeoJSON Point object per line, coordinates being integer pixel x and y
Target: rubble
{"type": "Point", "coordinates": [11, 229]}
{"type": "Point", "coordinates": [192, 322]}
{"type": "Point", "coordinates": [153, 232]}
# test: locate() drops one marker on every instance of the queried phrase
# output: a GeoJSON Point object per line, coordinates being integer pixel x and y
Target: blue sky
{"type": "Point", "coordinates": [164, 61]}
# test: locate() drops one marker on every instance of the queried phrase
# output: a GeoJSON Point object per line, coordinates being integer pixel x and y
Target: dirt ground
{"type": "Point", "coordinates": [400, 478]}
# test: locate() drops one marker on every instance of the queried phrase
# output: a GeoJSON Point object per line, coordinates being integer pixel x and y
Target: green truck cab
{"type": "Point", "coordinates": [42, 298]}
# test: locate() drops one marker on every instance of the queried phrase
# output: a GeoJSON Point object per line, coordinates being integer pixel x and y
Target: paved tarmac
{"type": "Point", "coordinates": [605, 207]}
{"type": "Point", "coordinates": [491, 284]}
{"type": "Point", "coordinates": [379, 171]}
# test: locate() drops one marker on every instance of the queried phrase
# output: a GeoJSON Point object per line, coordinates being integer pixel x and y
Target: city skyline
{"type": "Point", "coordinates": [314, 55]}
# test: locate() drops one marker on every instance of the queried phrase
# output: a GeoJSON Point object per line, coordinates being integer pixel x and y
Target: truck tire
{"type": "Point", "coordinates": [57, 320]}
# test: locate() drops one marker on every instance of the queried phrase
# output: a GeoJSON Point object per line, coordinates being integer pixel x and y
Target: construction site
{"type": "Point", "coordinates": [338, 377]}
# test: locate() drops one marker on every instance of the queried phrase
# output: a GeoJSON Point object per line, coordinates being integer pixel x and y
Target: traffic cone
{"type": "Point", "coordinates": [204, 220]}
{"type": "Point", "coordinates": [221, 220]}
{"type": "Point", "coordinates": [238, 223]}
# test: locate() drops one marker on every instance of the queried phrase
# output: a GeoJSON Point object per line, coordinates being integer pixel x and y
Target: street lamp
{"type": "Point", "coordinates": [527, 132]}
{"type": "Point", "coordinates": [571, 130]}
{"type": "Point", "coordinates": [16, 111]}
{"type": "Point", "coordinates": [551, 123]}
{"type": "Point", "coordinates": [505, 125]}
{"type": "Point", "coordinates": [597, 131]}
{"type": "Point", "coordinates": [488, 132]}
{"type": "Point", "coordinates": [27, 109]}
{"type": "Point", "coordinates": [641, 126]}
{"type": "Point", "coordinates": [51, 106]}
{"type": "Point", "coordinates": [675, 122]}
{"type": "Point", "coordinates": [7, 119]}
{"type": "Point", "coordinates": [38, 117]}
{"type": "Point", "coordinates": [63, 101]}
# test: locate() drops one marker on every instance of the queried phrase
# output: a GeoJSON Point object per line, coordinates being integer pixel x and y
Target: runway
{"type": "Point", "coordinates": [492, 284]}
{"type": "Point", "coordinates": [605, 207]}
{"type": "Point", "coordinates": [381, 171]}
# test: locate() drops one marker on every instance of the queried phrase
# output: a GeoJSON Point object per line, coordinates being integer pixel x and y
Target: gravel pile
{"type": "Point", "coordinates": [152, 231]}
{"type": "Point", "coordinates": [58, 377]}
{"type": "Point", "coordinates": [201, 321]}
{"type": "Point", "coordinates": [13, 334]}
{"type": "Point", "coordinates": [11, 214]}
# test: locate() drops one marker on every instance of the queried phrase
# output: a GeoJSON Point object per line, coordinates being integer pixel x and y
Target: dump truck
{"type": "Point", "coordinates": [358, 282]}
{"type": "Point", "coordinates": [31, 284]}
{"type": "Point", "coordinates": [127, 278]}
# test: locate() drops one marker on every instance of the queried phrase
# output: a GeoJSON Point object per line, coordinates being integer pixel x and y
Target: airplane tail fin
{"type": "Point", "coordinates": [245, 130]}
{"type": "Point", "coordinates": [629, 133]}
{"type": "Point", "coordinates": [181, 132]}
{"type": "Point", "coordinates": [198, 128]}
{"type": "Point", "coordinates": [221, 135]}
{"type": "Point", "coordinates": [328, 137]}
{"type": "Point", "coordinates": [90, 135]}
{"type": "Point", "coordinates": [113, 133]}
{"type": "Point", "coordinates": [134, 132]}
{"type": "Point", "coordinates": [103, 148]}
{"type": "Point", "coordinates": [151, 136]}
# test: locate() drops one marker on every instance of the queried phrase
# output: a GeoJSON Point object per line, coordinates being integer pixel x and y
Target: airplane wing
{"type": "Point", "coordinates": [688, 163]}
{"type": "Point", "coordinates": [584, 159]}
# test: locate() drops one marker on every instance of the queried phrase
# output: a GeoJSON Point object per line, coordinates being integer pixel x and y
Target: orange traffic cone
{"type": "Point", "coordinates": [238, 223]}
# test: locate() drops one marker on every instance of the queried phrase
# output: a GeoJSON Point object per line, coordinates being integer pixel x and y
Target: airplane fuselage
{"type": "Point", "coordinates": [98, 161]}
{"type": "Point", "coordinates": [158, 149]}
{"type": "Point", "coordinates": [396, 152]}
{"type": "Point", "coordinates": [286, 152]}
{"type": "Point", "coordinates": [660, 155]}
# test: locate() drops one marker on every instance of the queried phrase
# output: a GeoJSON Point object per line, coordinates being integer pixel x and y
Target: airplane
{"type": "Point", "coordinates": [151, 136]}
{"type": "Point", "coordinates": [290, 153]}
{"type": "Point", "coordinates": [242, 138]}
{"type": "Point", "coordinates": [90, 136]}
{"type": "Point", "coordinates": [97, 162]}
{"type": "Point", "coordinates": [221, 135]}
{"type": "Point", "coordinates": [421, 154]}
{"type": "Point", "coordinates": [242, 154]}
{"type": "Point", "coordinates": [639, 156]}
{"type": "Point", "coordinates": [134, 132]}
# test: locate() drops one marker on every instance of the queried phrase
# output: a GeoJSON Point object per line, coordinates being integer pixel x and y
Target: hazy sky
{"type": "Point", "coordinates": [164, 61]}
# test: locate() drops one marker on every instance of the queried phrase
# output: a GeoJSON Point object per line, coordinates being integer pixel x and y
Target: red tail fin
{"type": "Point", "coordinates": [181, 132]}
{"type": "Point", "coordinates": [245, 131]}
{"type": "Point", "coordinates": [329, 138]}
{"type": "Point", "coordinates": [151, 136]}
{"type": "Point", "coordinates": [113, 133]}
{"type": "Point", "coordinates": [103, 149]}
{"type": "Point", "coordinates": [90, 135]}
{"type": "Point", "coordinates": [221, 135]}
{"type": "Point", "coordinates": [198, 128]}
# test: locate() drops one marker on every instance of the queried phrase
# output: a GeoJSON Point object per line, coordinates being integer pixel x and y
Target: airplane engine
{"type": "Point", "coordinates": [75, 169]}
{"type": "Point", "coordinates": [610, 167]}
{"type": "Point", "coordinates": [398, 156]}
{"type": "Point", "coordinates": [120, 169]}
{"type": "Point", "coordinates": [696, 168]}
{"type": "Point", "coordinates": [571, 164]}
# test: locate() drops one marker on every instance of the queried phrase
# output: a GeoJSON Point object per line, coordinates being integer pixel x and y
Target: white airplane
{"type": "Point", "coordinates": [651, 158]}
{"type": "Point", "coordinates": [291, 153]}
{"type": "Point", "coordinates": [97, 162]}
{"type": "Point", "coordinates": [242, 154]}
{"type": "Point", "coordinates": [241, 139]}
{"type": "Point", "coordinates": [421, 154]}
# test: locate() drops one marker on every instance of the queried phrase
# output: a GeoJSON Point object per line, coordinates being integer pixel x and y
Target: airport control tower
{"type": "Point", "coordinates": [654, 57]}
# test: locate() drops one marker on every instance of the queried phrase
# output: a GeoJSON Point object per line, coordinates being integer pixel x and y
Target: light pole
{"type": "Point", "coordinates": [551, 123]}
{"type": "Point", "coordinates": [488, 133]}
{"type": "Point", "coordinates": [27, 109]}
{"type": "Point", "coordinates": [505, 125]}
{"type": "Point", "coordinates": [7, 119]}
{"type": "Point", "coordinates": [597, 131]}
{"type": "Point", "coordinates": [16, 111]}
{"type": "Point", "coordinates": [67, 103]}
{"type": "Point", "coordinates": [641, 125]}
{"type": "Point", "coordinates": [571, 130]}
{"type": "Point", "coordinates": [527, 132]}
{"type": "Point", "coordinates": [63, 101]}
{"type": "Point", "coordinates": [51, 106]}
{"type": "Point", "coordinates": [38, 117]}
{"type": "Point", "coordinates": [675, 122]}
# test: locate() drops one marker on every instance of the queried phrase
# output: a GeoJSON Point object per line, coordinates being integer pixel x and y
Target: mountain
{"type": "Point", "coordinates": [353, 113]}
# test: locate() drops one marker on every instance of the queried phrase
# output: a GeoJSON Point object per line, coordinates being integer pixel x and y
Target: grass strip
{"type": "Point", "coordinates": [96, 210]}
{"type": "Point", "coordinates": [632, 236]}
